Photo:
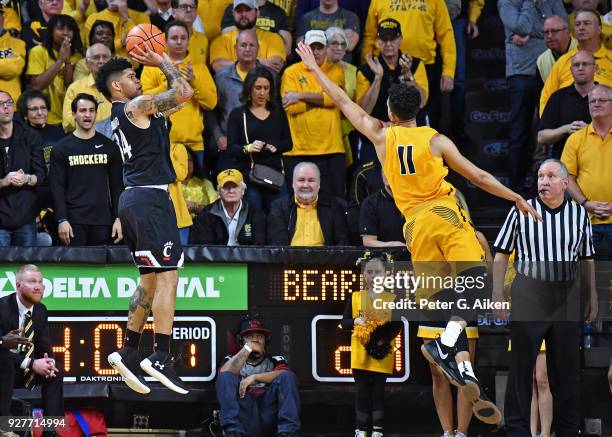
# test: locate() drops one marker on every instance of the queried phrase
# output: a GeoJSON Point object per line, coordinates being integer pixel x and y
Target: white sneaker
{"type": "Point", "coordinates": [377, 434]}
{"type": "Point", "coordinates": [447, 434]}
{"type": "Point", "coordinates": [359, 433]}
{"type": "Point", "coordinates": [459, 434]}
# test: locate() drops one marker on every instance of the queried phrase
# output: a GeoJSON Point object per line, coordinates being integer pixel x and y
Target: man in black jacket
{"type": "Point", "coordinates": [22, 168]}
{"type": "Point", "coordinates": [26, 357]}
{"type": "Point", "coordinates": [230, 220]}
{"type": "Point", "coordinates": [308, 219]}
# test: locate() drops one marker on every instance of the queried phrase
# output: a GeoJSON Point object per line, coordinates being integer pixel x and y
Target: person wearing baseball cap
{"type": "Point", "coordinates": [381, 71]}
{"type": "Point", "coordinates": [229, 220]}
{"type": "Point", "coordinates": [272, 52]}
{"type": "Point", "coordinates": [314, 120]}
{"type": "Point", "coordinates": [257, 392]}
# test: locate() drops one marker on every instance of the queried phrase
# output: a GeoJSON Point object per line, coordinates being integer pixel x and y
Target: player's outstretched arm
{"type": "Point", "coordinates": [446, 149]}
{"type": "Point", "coordinates": [366, 124]}
{"type": "Point", "coordinates": [179, 90]}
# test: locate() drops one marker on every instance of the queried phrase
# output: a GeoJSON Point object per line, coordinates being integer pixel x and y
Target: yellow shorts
{"type": "Point", "coordinates": [431, 332]}
{"type": "Point", "coordinates": [439, 230]}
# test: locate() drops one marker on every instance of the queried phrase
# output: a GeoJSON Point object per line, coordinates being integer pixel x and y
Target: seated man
{"type": "Point", "coordinates": [381, 224]}
{"type": "Point", "coordinates": [308, 219]}
{"type": "Point", "coordinates": [26, 358]}
{"type": "Point", "coordinates": [229, 220]}
{"type": "Point", "coordinates": [251, 383]}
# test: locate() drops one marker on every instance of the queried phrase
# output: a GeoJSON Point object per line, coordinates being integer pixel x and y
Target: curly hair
{"type": "Point", "coordinates": [404, 100]}
{"type": "Point", "coordinates": [108, 72]}
{"type": "Point", "coordinates": [26, 96]}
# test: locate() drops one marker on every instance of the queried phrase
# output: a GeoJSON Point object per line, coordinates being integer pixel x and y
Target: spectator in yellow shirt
{"type": "Point", "coordinates": [588, 33]}
{"type": "Point", "coordinates": [102, 32]}
{"type": "Point", "coordinates": [314, 119]}
{"type": "Point", "coordinates": [186, 11]}
{"type": "Point", "coordinates": [12, 61]}
{"type": "Point", "coordinates": [197, 190]}
{"type": "Point", "coordinates": [178, 156]}
{"type": "Point", "coordinates": [51, 65]}
{"type": "Point", "coordinates": [427, 28]}
{"type": "Point", "coordinates": [97, 55]}
{"type": "Point", "coordinates": [35, 31]}
{"type": "Point", "coordinates": [187, 123]}
{"type": "Point", "coordinates": [122, 18]}
{"type": "Point", "coordinates": [271, 45]}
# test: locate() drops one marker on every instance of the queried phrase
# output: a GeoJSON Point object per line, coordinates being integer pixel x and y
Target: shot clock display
{"type": "Point", "coordinates": [81, 345]}
{"type": "Point", "coordinates": [331, 351]}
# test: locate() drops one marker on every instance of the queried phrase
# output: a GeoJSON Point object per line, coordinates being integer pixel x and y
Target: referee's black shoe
{"type": "Point", "coordinates": [160, 365]}
{"type": "Point", "coordinates": [443, 357]}
{"type": "Point", "coordinates": [125, 361]}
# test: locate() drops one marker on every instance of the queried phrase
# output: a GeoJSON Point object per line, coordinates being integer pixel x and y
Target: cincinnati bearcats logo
{"type": "Point", "coordinates": [166, 250]}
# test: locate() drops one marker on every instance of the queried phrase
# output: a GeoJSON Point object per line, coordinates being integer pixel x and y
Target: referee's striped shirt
{"type": "Point", "coordinates": [547, 250]}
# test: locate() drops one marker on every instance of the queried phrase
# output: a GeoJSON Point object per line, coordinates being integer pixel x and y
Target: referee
{"type": "Point", "coordinates": [545, 297]}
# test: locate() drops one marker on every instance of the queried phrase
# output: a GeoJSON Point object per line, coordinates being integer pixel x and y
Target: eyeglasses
{"type": "Point", "coordinates": [554, 31]}
{"type": "Point", "coordinates": [186, 8]}
{"type": "Point", "coordinates": [337, 44]}
{"type": "Point", "coordinates": [9, 102]}
{"type": "Point", "coordinates": [596, 101]}
{"type": "Point", "coordinates": [37, 109]}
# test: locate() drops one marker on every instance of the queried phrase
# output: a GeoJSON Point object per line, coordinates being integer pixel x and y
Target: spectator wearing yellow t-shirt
{"type": "Point", "coordinates": [51, 65]}
{"type": "Point", "coordinates": [187, 123]}
{"type": "Point", "coordinates": [122, 18]}
{"type": "Point", "coordinates": [271, 45]}
{"type": "Point", "coordinates": [12, 61]}
{"type": "Point", "coordinates": [186, 11]}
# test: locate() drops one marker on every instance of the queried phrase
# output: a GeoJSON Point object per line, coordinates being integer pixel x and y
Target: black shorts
{"type": "Point", "coordinates": [149, 228]}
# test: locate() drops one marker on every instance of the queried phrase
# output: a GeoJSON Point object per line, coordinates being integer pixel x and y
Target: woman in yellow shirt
{"type": "Point", "coordinates": [370, 372]}
{"type": "Point", "coordinates": [51, 64]}
{"type": "Point", "coordinates": [197, 190]}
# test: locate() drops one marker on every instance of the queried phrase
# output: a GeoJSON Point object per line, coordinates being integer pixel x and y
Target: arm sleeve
{"type": "Point", "coordinates": [57, 183]}
{"type": "Point", "coordinates": [285, 143]}
{"type": "Point", "coordinates": [179, 161]}
{"type": "Point", "coordinates": [446, 39]}
{"type": "Point", "coordinates": [219, 50]}
{"type": "Point", "coordinates": [587, 250]}
{"type": "Point", "coordinates": [552, 84]}
{"type": "Point", "coordinates": [506, 239]}
{"type": "Point", "coordinates": [277, 227]}
{"type": "Point", "coordinates": [235, 133]}
{"type": "Point", "coordinates": [517, 20]}
{"type": "Point", "coordinates": [368, 221]}
{"type": "Point", "coordinates": [363, 85]}
{"type": "Point", "coordinates": [150, 81]}
{"type": "Point", "coordinates": [289, 83]}
{"type": "Point", "coordinates": [36, 61]}
{"type": "Point", "coordinates": [37, 164]}
{"type": "Point", "coordinates": [550, 115]}
{"type": "Point", "coordinates": [205, 90]}
{"type": "Point", "coordinates": [259, 227]}
{"type": "Point", "coordinates": [200, 231]}
{"type": "Point", "coordinates": [115, 177]}
{"type": "Point", "coordinates": [420, 77]}
{"type": "Point", "coordinates": [369, 32]}
{"type": "Point", "coordinates": [275, 46]}
{"type": "Point", "coordinates": [228, 19]}
{"type": "Point", "coordinates": [11, 68]}
{"type": "Point", "coordinates": [347, 317]}
{"type": "Point", "coordinates": [352, 21]}
{"type": "Point", "coordinates": [474, 9]}
{"type": "Point", "coordinates": [569, 156]}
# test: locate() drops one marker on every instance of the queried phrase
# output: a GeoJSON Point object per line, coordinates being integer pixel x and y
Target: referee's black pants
{"type": "Point", "coordinates": [562, 360]}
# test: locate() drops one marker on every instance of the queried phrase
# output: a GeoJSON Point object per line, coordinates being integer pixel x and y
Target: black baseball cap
{"type": "Point", "coordinates": [253, 325]}
{"type": "Point", "coordinates": [389, 28]}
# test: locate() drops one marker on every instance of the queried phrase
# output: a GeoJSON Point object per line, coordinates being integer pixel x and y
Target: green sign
{"type": "Point", "coordinates": [92, 287]}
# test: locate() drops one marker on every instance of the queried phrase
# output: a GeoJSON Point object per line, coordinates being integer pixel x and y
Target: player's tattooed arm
{"type": "Point", "coordinates": [235, 363]}
{"type": "Point", "coordinates": [175, 80]}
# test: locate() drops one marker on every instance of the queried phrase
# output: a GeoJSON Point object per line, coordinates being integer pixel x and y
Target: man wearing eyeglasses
{"type": "Point", "coordinates": [587, 155]}
{"type": "Point", "coordinates": [587, 26]}
{"type": "Point", "coordinates": [559, 41]}
{"type": "Point", "coordinates": [22, 167]}
{"type": "Point", "coordinates": [187, 12]}
{"type": "Point", "coordinates": [568, 111]}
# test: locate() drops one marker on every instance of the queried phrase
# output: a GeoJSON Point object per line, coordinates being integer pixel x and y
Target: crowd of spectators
{"type": "Point", "coordinates": [256, 104]}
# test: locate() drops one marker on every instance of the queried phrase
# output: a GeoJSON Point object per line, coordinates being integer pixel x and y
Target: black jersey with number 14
{"type": "Point", "coordinates": [145, 152]}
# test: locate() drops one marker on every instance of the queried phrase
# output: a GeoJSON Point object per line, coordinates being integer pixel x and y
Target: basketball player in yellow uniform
{"type": "Point", "coordinates": [413, 161]}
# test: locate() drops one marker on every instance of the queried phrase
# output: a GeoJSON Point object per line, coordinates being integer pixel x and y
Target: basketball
{"type": "Point", "coordinates": [145, 35]}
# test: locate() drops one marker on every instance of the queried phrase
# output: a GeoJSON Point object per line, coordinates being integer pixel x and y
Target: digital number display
{"type": "Point", "coordinates": [331, 351]}
{"type": "Point", "coordinates": [81, 345]}
{"type": "Point", "coordinates": [311, 284]}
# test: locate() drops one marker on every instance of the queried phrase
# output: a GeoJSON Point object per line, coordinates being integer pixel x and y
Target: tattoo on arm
{"type": "Point", "coordinates": [236, 362]}
{"type": "Point", "coordinates": [140, 299]}
{"type": "Point", "coordinates": [175, 80]}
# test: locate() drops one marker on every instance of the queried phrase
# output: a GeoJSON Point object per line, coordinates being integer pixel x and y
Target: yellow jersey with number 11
{"type": "Point", "coordinates": [415, 175]}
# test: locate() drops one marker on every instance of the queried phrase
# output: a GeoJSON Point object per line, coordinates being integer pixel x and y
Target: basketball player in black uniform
{"type": "Point", "coordinates": [145, 210]}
